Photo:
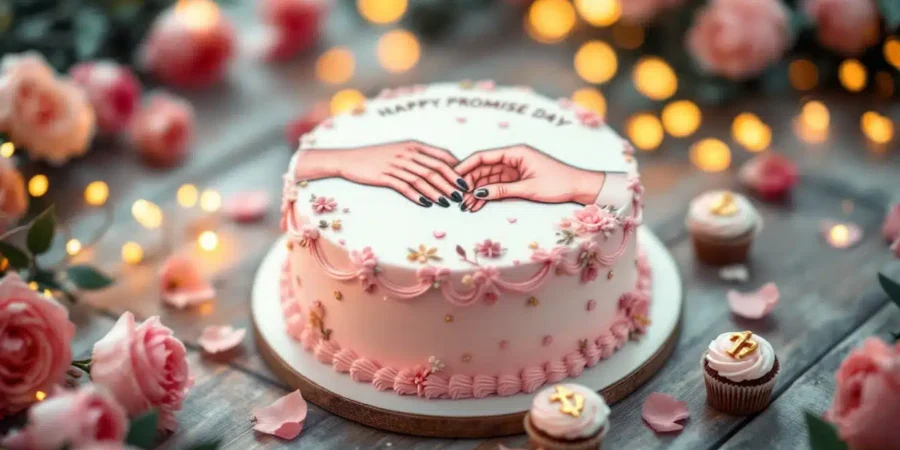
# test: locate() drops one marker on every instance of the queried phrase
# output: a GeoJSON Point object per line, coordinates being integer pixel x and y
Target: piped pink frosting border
{"type": "Point", "coordinates": [631, 320]}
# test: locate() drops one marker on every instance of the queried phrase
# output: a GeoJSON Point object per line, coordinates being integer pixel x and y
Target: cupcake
{"type": "Point", "coordinates": [739, 369]}
{"type": "Point", "coordinates": [567, 417]}
{"type": "Point", "coordinates": [722, 224]}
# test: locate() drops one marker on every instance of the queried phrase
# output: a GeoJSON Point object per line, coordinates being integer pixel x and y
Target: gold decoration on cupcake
{"type": "Point", "coordinates": [338, 295]}
{"type": "Point", "coordinates": [448, 318]}
{"type": "Point", "coordinates": [533, 301]}
{"type": "Point", "coordinates": [724, 205]}
{"type": "Point", "coordinates": [571, 402]}
{"type": "Point", "coordinates": [743, 344]}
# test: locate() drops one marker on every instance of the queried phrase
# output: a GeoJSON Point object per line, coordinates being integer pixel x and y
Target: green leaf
{"type": "Point", "coordinates": [17, 258]}
{"type": "Point", "coordinates": [40, 235]}
{"type": "Point", "coordinates": [142, 430]}
{"type": "Point", "coordinates": [891, 288]}
{"type": "Point", "coordinates": [822, 435]}
{"type": "Point", "coordinates": [205, 446]}
{"type": "Point", "coordinates": [890, 11]}
{"type": "Point", "coordinates": [87, 278]}
{"type": "Point", "coordinates": [45, 280]}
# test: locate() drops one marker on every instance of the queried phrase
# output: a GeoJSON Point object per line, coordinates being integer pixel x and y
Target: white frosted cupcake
{"type": "Point", "coordinates": [723, 225]}
{"type": "Point", "coordinates": [567, 417]}
{"type": "Point", "coordinates": [739, 369]}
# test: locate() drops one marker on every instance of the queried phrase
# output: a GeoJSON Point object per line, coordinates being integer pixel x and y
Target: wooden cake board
{"type": "Point", "coordinates": [614, 378]}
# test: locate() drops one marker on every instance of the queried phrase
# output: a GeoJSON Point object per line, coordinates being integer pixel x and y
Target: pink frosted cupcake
{"type": "Point", "coordinates": [723, 225]}
{"type": "Point", "coordinates": [739, 369]}
{"type": "Point", "coordinates": [567, 417]}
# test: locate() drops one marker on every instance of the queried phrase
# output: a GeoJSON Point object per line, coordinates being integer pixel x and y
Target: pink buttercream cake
{"type": "Point", "coordinates": [463, 240]}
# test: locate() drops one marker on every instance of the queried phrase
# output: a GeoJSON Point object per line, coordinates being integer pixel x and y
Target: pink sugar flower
{"type": "Point", "coordinates": [593, 219]}
{"type": "Point", "coordinates": [489, 249]}
{"type": "Point", "coordinates": [846, 26]}
{"type": "Point", "coordinates": [163, 129]}
{"type": "Point", "coordinates": [113, 91]}
{"type": "Point", "coordinates": [323, 205]}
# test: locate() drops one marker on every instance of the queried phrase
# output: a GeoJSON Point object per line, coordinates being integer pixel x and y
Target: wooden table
{"type": "Point", "coordinates": [830, 298]}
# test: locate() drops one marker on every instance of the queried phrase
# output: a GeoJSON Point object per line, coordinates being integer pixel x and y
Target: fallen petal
{"type": "Point", "coordinates": [439, 234]}
{"type": "Point", "coordinates": [182, 285]}
{"type": "Point", "coordinates": [247, 206]}
{"type": "Point", "coordinates": [283, 418]}
{"type": "Point", "coordinates": [219, 339]}
{"type": "Point", "coordinates": [891, 226]}
{"type": "Point", "coordinates": [736, 272]}
{"type": "Point", "coordinates": [661, 411]}
{"type": "Point", "coordinates": [754, 305]}
{"type": "Point", "coordinates": [512, 219]}
{"type": "Point", "coordinates": [840, 235]}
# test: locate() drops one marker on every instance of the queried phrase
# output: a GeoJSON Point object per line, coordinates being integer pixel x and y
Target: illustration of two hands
{"type": "Point", "coordinates": [427, 175]}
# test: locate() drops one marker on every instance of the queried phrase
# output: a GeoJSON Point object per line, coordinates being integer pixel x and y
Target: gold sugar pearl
{"type": "Point", "coordinates": [533, 301]}
{"type": "Point", "coordinates": [448, 318]}
{"type": "Point", "coordinates": [609, 275]}
{"type": "Point", "coordinates": [466, 357]}
{"type": "Point", "coordinates": [338, 295]}
{"type": "Point", "coordinates": [290, 245]}
{"type": "Point", "coordinates": [533, 245]}
{"type": "Point", "coordinates": [304, 183]}
{"type": "Point", "coordinates": [336, 224]}
{"type": "Point", "coordinates": [724, 205]}
{"type": "Point", "coordinates": [467, 280]}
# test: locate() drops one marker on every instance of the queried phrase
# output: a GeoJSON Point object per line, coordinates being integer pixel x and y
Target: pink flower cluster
{"type": "Point", "coordinates": [489, 249]}
{"type": "Point", "coordinates": [593, 219]}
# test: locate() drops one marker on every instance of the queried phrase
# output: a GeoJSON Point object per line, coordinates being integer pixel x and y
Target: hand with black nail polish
{"type": "Point", "coordinates": [422, 173]}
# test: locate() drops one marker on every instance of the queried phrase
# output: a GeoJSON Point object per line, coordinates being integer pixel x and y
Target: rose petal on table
{"type": "Point", "coordinates": [891, 226]}
{"type": "Point", "coordinates": [840, 234]}
{"type": "Point", "coordinates": [182, 285]}
{"type": "Point", "coordinates": [220, 338]}
{"type": "Point", "coordinates": [439, 234]}
{"type": "Point", "coordinates": [735, 272]}
{"type": "Point", "coordinates": [754, 305]}
{"type": "Point", "coordinates": [662, 411]}
{"type": "Point", "coordinates": [283, 418]}
{"type": "Point", "coordinates": [247, 206]}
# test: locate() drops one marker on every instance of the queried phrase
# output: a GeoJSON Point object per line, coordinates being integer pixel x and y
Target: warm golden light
{"type": "Point", "coordinates": [803, 74]}
{"type": "Point", "coordinates": [208, 240]}
{"type": "Point", "coordinates": [599, 13]}
{"type": "Point", "coordinates": [852, 75]}
{"type": "Point", "coordinates": [398, 51]}
{"type": "Point", "coordinates": [892, 51]}
{"type": "Point", "coordinates": [595, 62]}
{"type": "Point", "coordinates": [654, 78]}
{"type": "Point", "coordinates": [550, 20]}
{"type": "Point", "coordinates": [38, 185]}
{"type": "Point", "coordinates": [4, 263]}
{"type": "Point", "coordinates": [751, 132]}
{"type": "Point", "coordinates": [210, 201]}
{"type": "Point", "coordinates": [629, 36]}
{"type": "Point", "coordinates": [645, 131]}
{"type": "Point", "coordinates": [681, 118]}
{"type": "Point", "coordinates": [815, 116]}
{"type": "Point", "coordinates": [335, 66]}
{"type": "Point", "coordinates": [839, 236]}
{"type": "Point", "coordinates": [33, 286]}
{"type": "Point", "coordinates": [96, 193]}
{"type": "Point", "coordinates": [73, 246]}
{"type": "Point", "coordinates": [7, 149]}
{"type": "Point", "coordinates": [381, 11]}
{"type": "Point", "coordinates": [198, 14]}
{"type": "Point", "coordinates": [591, 99]}
{"type": "Point", "coordinates": [132, 253]}
{"type": "Point", "coordinates": [147, 213]}
{"type": "Point", "coordinates": [710, 155]}
{"type": "Point", "coordinates": [187, 195]}
{"type": "Point", "coordinates": [40, 395]}
{"type": "Point", "coordinates": [879, 129]}
{"type": "Point", "coordinates": [345, 100]}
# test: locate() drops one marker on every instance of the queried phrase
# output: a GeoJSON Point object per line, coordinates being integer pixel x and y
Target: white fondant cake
{"type": "Point", "coordinates": [463, 240]}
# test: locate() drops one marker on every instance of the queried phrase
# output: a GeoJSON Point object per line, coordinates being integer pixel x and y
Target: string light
{"type": "Point", "coordinates": [33, 286]}
{"type": "Point", "coordinates": [398, 51]}
{"type": "Point", "coordinates": [852, 75]}
{"type": "Point", "coordinates": [748, 130]}
{"type": "Point", "coordinates": [187, 195]}
{"type": "Point", "coordinates": [711, 155]}
{"type": "Point", "coordinates": [803, 74]}
{"type": "Point", "coordinates": [599, 13]}
{"type": "Point", "coordinates": [73, 246]}
{"type": "Point", "coordinates": [96, 193]}
{"type": "Point", "coordinates": [892, 51]}
{"type": "Point", "coordinates": [550, 21]}
{"type": "Point", "coordinates": [38, 185]}
{"type": "Point", "coordinates": [7, 149]}
{"type": "Point", "coordinates": [381, 11]}
{"type": "Point", "coordinates": [208, 240]}
{"type": "Point", "coordinates": [335, 66]}
{"type": "Point", "coordinates": [210, 201]}
{"type": "Point", "coordinates": [628, 35]}
{"type": "Point", "coordinates": [591, 99]}
{"type": "Point", "coordinates": [147, 213]}
{"type": "Point", "coordinates": [645, 131]}
{"type": "Point", "coordinates": [654, 78]}
{"type": "Point", "coordinates": [879, 129]}
{"type": "Point", "coordinates": [345, 100]}
{"type": "Point", "coordinates": [595, 62]}
{"type": "Point", "coordinates": [681, 118]}
{"type": "Point", "coordinates": [132, 253]}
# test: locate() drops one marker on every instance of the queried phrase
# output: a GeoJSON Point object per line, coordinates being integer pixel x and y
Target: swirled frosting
{"type": "Point", "coordinates": [701, 219]}
{"type": "Point", "coordinates": [753, 366]}
{"type": "Point", "coordinates": [546, 415]}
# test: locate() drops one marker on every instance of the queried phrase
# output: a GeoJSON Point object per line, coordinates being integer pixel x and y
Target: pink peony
{"type": "Point", "coordinates": [49, 117]}
{"type": "Point", "coordinates": [163, 129]}
{"type": "Point", "coordinates": [144, 367]}
{"type": "Point", "coordinates": [72, 418]}
{"type": "Point", "coordinates": [306, 122]}
{"type": "Point", "coordinates": [489, 249]}
{"type": "Point", "coordinates": [296, 25]}
{"type": "Point", "coordinates": [593, 219]}
{"type": "Point", "coordinates": [867, 401]}
{"type": "Point", "coordinates": [846, 26]}
{"type": "Point", "coordinates": [739, 38]}
{"type": "Point", "coordinates": [35, 338]}
{"type": "Point", "coordinates": [113, 91]}
{"type": "Point", "coordinates": [641, 11]}
{"type": "Point", "coordinates": [771, 175]}
{"type": "Point", "coordinates": [13, 200]}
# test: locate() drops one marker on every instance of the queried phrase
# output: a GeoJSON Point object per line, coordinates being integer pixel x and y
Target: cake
{"type": "Point", "coordinates": [567, 417]}
{"type": "Point", "coordinates": [723, 225]}
{"type": "Point", "coordinates": [463, 240]}
{"type": "Point", "coordinates": [739, 370]}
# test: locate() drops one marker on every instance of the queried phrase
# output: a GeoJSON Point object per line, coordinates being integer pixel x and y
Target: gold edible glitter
{"type": "Point", "coordinates": [290, 245]}
{"type": "Point", "coordinates": [743, 344]}
{"type": "Point", "coordinates": [338, 295]}
{"type": "Point", "coordinates": [533, 245]}
{"type": "Point", "coordinates": [466, 357]}
{"type": "Point", "coordinates": [533, 301]}
{"type": "Point", "coordinates": [571, 403]}
{"type": "Point", "coordinates": [724, 205]}
{"type": "Point", "coordinates": [448, 318]}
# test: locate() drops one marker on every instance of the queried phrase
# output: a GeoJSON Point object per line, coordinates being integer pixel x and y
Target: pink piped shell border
{"type": "Point", "coordinates": [421, 382]}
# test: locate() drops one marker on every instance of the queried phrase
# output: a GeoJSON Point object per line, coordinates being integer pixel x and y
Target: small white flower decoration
{"type": "Point", "coordinates": [436, 364]}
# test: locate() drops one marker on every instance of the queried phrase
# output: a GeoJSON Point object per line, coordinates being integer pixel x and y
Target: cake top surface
{"type": "Point", "coordinates": [498, 171]}
{"type": "Point", "coordinates": [740, 356]}
{"type": "Point", "coordinates": [569, 411]}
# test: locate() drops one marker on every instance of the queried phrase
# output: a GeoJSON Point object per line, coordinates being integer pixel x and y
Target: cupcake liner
{"type": "Point", "coordinates": [736, 399]}
{"type": "Point", "coordinates": [541, 441]}
{"type": "Point", "coordinates": [721, 252]}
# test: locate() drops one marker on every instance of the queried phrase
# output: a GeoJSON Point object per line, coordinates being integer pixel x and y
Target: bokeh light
{"type": "Point", "coordinates": [599, 13]}
{"type": "Point", "coordinates": [710, 155]}
{"type": "Point", "coordinates": [208, 240]}
{"type": "Point", "coordinates": [38, 185]}
{"type": "Point", "coordinates": [803, 74]}
{"type": "Point", "coordinates": [73, 246]}
{"type": "Point", "coordinates": [132, 253]}
{"type": "Point", "coordinates": [595, 62]}
{"type": "Point", "coordinates": [96, 193]}
{"type": "Point", "coordinates": [681, 118]}
{"type": "Point", "coordinates": [210, 201]}
{"type": "Point", "coordinates": [550, 21]}
{"type": "Point", "coordinates": [748, 130]}
{"type": "Point", "coordinates": [345, 100]}
{"type": "Point", "coordinates": [381, 11]}
{"type": "Point", "coordinates": [892, 51]}
{"type": "Point", "coordinates": [591, 99]}
{"type": "Point", "coordinates": [629, 36]}
{"type": "Point", "coordinates": [398, 51]}
{"type": "Point", "coordinates": [645, 131]}
{"type": "Point", "coordinates": [40, 395]}
{"type": "Point", "coordinates": [655, 78]}
{"type": "Point", "coordinates": [187, 195]}
{"type": "Point", "coordinates": [852, 75]}
{"type": "Point", "coordinates": [815, 116]}
{"type": "Point", "coordinates": [7, 149]}
{"type": "Point", "coordinates": [198, 14]}
{"type": "Point", "coordinates": [147, 213]}
{"type": "Point", "coordinates": [335, 66]}
{"type": "Point", "coordinates": [879, 129]}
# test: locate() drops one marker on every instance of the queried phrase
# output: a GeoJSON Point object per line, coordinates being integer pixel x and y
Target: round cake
{"type": "Point", "coordinates": [463, 240]}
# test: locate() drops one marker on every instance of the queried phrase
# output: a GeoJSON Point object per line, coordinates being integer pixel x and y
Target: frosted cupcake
{"type": "Point", "coordinates": [739, 369]}
{"type": "Point", "coordinates": [723, 225]}
{"type": "Point", "coordinates": [567, 417]}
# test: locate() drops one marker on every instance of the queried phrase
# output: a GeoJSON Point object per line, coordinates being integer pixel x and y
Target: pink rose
{"type": "Point", "coordinates": [113, 91]}
{"type": "Point", "coordinates": [13, 200]}
{"type": "Point", "coordinates": [641, 11]}
{"type": "Point", "coordinates": [72, 418]}
{"type": "Point", "coordinates": [771, 175]}
{"type": "Point", "coordinates": [144, 367]}
{"type": "Point", "coordinates": [163, 129]}
{"type": "Point", "coordinates": [35, 338]}
{"type": "Point", "coordinates": [739, 38]}
{"type": "Point", "coordinates": [867, 402]}
{"type": "Point", "coordinates": [593, 219]}
{"type": "Point", "coordinates": [846, 26]}
{"type": "Point", "coordinates": [51, 118]}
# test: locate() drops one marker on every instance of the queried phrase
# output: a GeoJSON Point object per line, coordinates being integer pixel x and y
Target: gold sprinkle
{"type": "Point", "coordinates": [743, 344]}
{"type": "Point", "coordinates": [628, 158]}
{"type": "Point", "coordinates": [724, 205]}
{"type": "Point", "coordinates": [466, 357]}
{"type": "Point", "coordinates": [563, 396]}
{"type": "Point", "coordinates": [336, 224]}
{"type": "Point", "coordinates": [533, 301]}
{"type": "Point", "coordinates": [533, 245]}
{"type": "Point", "coordinates": [338, 295]}
{"type": "Point", "coordinates": [290, 245]}
{"type": "Point", "coordinates": [448, 318]}
{"type": "Point", "coordinates": [467, 280]}
{"type": "Point", "coordinates": [641, 319]}
{"type": "Point", "coordinates": [609, 275]}
{"type": "Point", "coordinates": [359, 110]}
{"type": "Point", "coordinates": [304, 183]}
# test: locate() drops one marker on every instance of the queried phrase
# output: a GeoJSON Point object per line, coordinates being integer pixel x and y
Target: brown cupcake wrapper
{"type": "Point", "coordinates": [541, 441]}
{"type": "Point", "coordinates": [721, 252]}
{"type": "Point", "coordinates": [736, 399]}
